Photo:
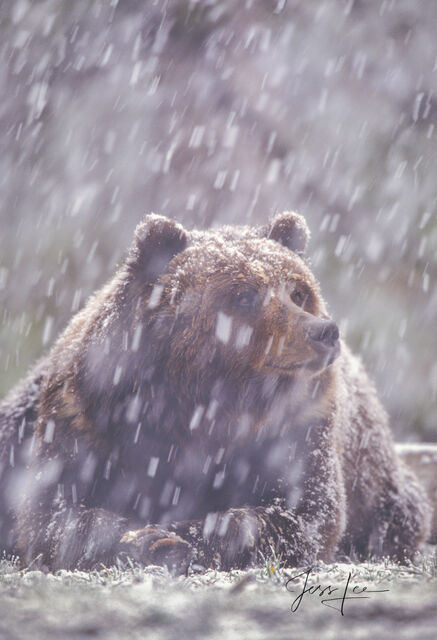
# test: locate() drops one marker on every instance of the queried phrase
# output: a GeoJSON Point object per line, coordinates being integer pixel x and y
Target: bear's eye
{"type": "Point", "coordinates": [298, 297]}
{"type": "Point", "coordinates": [246, 299]}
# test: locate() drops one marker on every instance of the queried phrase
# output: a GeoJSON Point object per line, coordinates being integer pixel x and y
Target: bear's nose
{"type": "Point", "coordinates": [323, 333]}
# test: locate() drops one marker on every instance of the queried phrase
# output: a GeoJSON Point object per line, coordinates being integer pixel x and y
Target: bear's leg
{"type": "Point", "coordinates": [79, 538]}
{"type": "Point", "coordinates": [405, 514]}
{"type": "Point", "coordinates": [394, 525]}
{"type": "Point", "coordinates": [232, 539]}
{"type": "Point", "coordinates": [312, 530]}
{"type": "Point", "coordinates": [70, 538]}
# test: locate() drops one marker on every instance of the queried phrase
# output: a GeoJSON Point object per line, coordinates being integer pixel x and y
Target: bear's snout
{"type": "Point", "coordinates": [323, 334]}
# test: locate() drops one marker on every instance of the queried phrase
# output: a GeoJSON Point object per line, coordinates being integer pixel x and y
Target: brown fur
{"type": "Point", "coordinates": [204, 390]}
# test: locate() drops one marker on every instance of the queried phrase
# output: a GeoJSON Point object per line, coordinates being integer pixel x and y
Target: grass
{"type": "Point", "coordinates": [129, 601]}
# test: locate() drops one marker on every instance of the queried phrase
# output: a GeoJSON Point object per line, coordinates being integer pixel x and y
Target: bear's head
{"type": "Point", "coordinates": [234, 302]}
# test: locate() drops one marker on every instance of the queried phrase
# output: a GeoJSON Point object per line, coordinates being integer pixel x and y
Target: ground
{"type": "Point", "coordinates": [137, 603]}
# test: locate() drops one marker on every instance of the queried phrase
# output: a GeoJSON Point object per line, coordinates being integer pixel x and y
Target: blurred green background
{"type": "Point", "coordinates": [213, 112]}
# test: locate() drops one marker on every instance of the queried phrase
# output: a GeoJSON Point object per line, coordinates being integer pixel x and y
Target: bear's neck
{"type": "Point", "coordinates": [247, 407]}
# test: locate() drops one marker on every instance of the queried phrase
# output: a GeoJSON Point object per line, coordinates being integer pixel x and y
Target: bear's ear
{"type": "Point", "coordinates": [291, 230]}
{"type": "Point", "coordinates": [157, 241]}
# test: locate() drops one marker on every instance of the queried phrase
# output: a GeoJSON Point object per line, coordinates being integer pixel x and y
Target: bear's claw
{"type": "Point", "coordinates": [155, 545]}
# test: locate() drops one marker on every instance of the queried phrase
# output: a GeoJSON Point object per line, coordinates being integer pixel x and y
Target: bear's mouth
{"type": "Point", "coordinates": [326, 358]}
{"type": "Point", "coordinates": [320, 362]}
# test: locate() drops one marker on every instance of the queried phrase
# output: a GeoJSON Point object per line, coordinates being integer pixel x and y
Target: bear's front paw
{"type": "Point", "coordinates": [155, 545]}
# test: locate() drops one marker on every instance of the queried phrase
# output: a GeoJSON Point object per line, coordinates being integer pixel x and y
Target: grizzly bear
{"type": "Point", "coordinates": [202, 408]}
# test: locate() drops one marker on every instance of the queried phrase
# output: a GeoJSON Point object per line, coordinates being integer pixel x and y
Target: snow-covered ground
{"type": "Point", "coordinates": [149, 603]}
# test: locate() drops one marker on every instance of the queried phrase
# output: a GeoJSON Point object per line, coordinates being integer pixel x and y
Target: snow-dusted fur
{"type": "Point", "coordinates": [202, 407]}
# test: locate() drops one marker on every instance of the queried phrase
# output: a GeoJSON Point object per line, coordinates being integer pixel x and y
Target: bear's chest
{"type": "Point", "coordinates": [162, 484]}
